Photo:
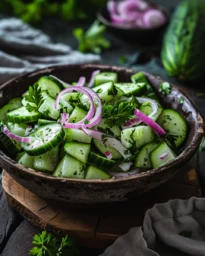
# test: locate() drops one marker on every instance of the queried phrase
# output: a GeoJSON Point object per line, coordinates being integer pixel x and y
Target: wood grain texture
{"type": "Point", "coordinates": [96, 226]}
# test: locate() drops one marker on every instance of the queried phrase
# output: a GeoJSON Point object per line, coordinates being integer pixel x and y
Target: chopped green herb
{"type": "Point", "coordinates": [202, 145]}
{"type": "Point", "coordinates": [165, 88]}
{"type": "Point", "coordinates": [34, 98]}
{"type": "Point", "coordinates": [118, 113]}
{"type": "Point", "coordinates": [47, 245]}
{"type": "Point", "coordinates": [93, 39]}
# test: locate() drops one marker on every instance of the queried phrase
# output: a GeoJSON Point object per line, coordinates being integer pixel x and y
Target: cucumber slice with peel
{"type": "Point", "coordinates": [143, 157]}
{"type": "Point", "coordinates": [157, 154]}
{"type": "Point", "coordinates": [79, 151]}
{"type": "Point", "coordinates": [174, 124]}
{"type": "Point", "coordinates": [97, 160]}
{"type": "Point", "coordinates": [22, 115]}
{"type": "Point", "coordinates": [130, 89]}
{"type": "Point", "coordinates": [44, 139]}
{"type": "Point", "coordinates": [47, 162]}
{"type": "Point", "coordinates": [106, 92]}
{"type": "Point", "coordinates": [137, 136]}
{"type": "Point", "coordinates": [93, 173]}
{"type": "Point", "coordinates": [77, 115]}
{"type": "Point", "coordinates": [104, 77]}
{"type": "Point", "coordinates": [70, 167]}
{"type": "Point", "coordinates": [51, 85]}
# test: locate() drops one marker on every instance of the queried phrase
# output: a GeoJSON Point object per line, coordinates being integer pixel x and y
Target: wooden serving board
{"type": "Point", "coordinates": [96, 226]}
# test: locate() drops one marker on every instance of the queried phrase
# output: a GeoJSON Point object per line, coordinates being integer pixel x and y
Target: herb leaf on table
{"type": "Point", "coordinates": [93, 40]}
{"type": "Point", "coordinates": [47, 245]}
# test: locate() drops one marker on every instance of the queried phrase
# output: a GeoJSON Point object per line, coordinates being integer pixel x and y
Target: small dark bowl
{"type": "Point", "coordinates": [101, 191]}
{"type": "Point", "coordinates": [133, 34]}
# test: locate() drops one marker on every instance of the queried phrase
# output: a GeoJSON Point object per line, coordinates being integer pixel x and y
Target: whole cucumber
{"type": "Point", "coordinates": [183, 53]}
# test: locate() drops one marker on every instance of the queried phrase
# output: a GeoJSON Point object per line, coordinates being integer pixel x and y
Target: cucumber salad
{"type": "Point", "coordinates": [97, 129]}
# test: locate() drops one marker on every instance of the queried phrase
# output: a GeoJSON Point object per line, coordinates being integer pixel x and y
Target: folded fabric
{"type": "Point", "coordinates": [173, 228]}
{"type": "Point", "coordinates": [24, 49]}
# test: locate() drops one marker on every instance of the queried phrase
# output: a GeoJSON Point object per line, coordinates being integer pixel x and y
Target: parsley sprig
{"type": "Point", "coordinates": [47, 245]}
{"type": "Point", "coordinates": [118, 113]}
{"type": "Point", "coordinates": [92, 40]}
{"type": "Point", "coordinates": [34, 98]}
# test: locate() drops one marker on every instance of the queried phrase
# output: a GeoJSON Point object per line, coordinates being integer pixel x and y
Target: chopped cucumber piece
{"type": "Point", "coordinates": [77, 135]}
{"type": "Point", "coordinates": [146, 108]}
{"type": "Point", "coordinates": [8, 108]}
{"type": "Point", "coordinates": [51, 85]}
{"type": "Point", "coordinates": [139, 78]}
{"type": "Point", "coordinates": [65, 106]}
{"type": "Point", "coordinates": [18, 129]}
{"type": "Point", "coordinates": [42, 122]}
{"type": "Point", "coordinates": [78, 150]}
{"type": "Point", "coordinates": [93, 173]}
{"type": "Point", "coordinates": [162, 155]}
{"type": "Point", "coordinates": [130, 89]}
{"type": "Point", "coordinates": [102, 147]}
{"type": "Point", "coordinates": [47, 108]}
{"type": "Point", "coordinates": [143, 158]}
{"type": "Point", "coordinates": [12, 147]}
{"type": "Point", "coordinates": [77, 115]}
{"type": "Point", "coordinates": [97, 160]}
{"type": "Point", "coordinates": [22, 115]}
{"type": "Point", "coordinates": [137, 136]}
{"type": "Point", "coordinates": [72, 98]}
{"type": "Point", "coordinates": [114, 130]}
{"type": "Point", "coordinates": [16, 102]}
{"type": "Point", "coordinates": [174, 124]}
{"type": "Point", "coordinates": [44, 139]}
{"type": "Point", "coordinates": [106, 92]}
{"type": "Point", "coordinates": [105, 77]}
{"type": "Point", "coordinates": [26, 161]}
{"type": "Point", "coordinates": [47, 162]}
{"type": "Point", "coordinates": [70, 167]}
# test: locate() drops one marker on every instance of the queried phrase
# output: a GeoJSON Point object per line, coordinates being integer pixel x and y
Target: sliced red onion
{"type": "Point", "coordinates": [62, 82]}
{"type": "Point", "coordinates": [112, 6]}
{"type": "Point", "coordinates": [151, 123]}
{"type": "Point", "coordinates": [81, 81]}
{"type": "Point", "coordinates": [122, 20]}
{"type": "Point", "coordinates": [109, 141]}
{"type": "Point", "coordinates": [153, 18]}
{"type": "Point", "coordinates": [163, 156]}
{"type": "Point", "coordinates": [131, 7]}
{"type": "Point", "coordinates": [64, 119]}
{"type": "Point", "coordinates": [91, 82]}
{"type": "Point", "coordinates": [13, 136]}
{"type": "Point", "coordinates": [90, 112]}
{"type": "Point", "coordinates": [136, 121]}
{"type": "Point", "coordinates": [108, 154]}
{"type": "Point", "coordinates": [98, 111]}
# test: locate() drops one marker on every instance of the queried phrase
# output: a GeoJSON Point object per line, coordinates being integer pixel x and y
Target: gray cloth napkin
{"type": "Point", "coordinates": [174, 228]}
{"type": "Point", "coordinates": [24, 49]}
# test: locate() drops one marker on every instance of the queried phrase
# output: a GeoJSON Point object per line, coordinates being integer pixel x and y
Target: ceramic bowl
{"type": "Point", "coordinates": [101, 191]}
{"type": "Point", "coordinates": [133, 34]}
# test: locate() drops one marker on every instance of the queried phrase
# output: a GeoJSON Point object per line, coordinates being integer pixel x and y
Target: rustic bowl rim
{"type": "Point", "coordinates": [108, 23]}
{"type": "Point", "coordinates": [183, 157]}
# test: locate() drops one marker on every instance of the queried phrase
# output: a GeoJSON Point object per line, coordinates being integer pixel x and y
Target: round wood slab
{"type": "Point", "coordinates": [95, 226]}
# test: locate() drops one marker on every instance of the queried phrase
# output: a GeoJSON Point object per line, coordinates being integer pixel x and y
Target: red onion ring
{"type": "Point", "coordinates": [151, 123]}
{"type": "Point", "coordinates": [13, 136]}
{"type": "Point", "coordinates": [91, 82]}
